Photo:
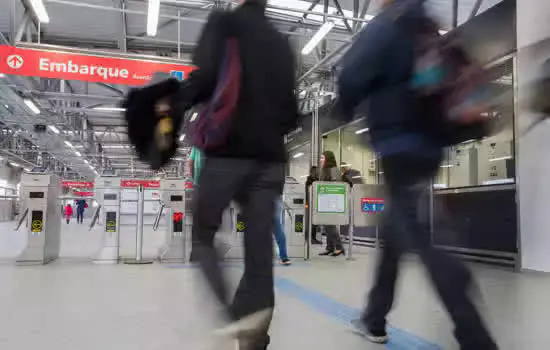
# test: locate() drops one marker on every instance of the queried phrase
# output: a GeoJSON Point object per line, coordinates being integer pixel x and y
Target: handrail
{"type": "Point", "coordinates": [21, 219]}
{"type": "Point", "coordinates": [157, 219]}
{"type": "Point", "coordinates": [96, 216]}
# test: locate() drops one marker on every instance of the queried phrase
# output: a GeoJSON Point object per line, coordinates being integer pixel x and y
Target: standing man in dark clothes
{"type": "Point", "coordinates": [80, 206]}
{"type": "Point", "coordinates": [250, 167]}
{"type": "Point", "coordinates": [380, 66]}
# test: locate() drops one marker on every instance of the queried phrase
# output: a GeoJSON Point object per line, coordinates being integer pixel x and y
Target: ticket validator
{"type": "Point", "coordinates": [294, 216]}
{"type": "Point", "coordinates": [39, 192]}
{"type": "Point", "coordinates": [107, 190]}
{"type": "Point", "coordinates": [174, 199]}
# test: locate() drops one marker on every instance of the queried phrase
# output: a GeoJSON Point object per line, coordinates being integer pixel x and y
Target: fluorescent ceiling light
{"type": "Point", "coordinates": [85, 161]}
{"type": "Point", "coordinates": [27, 170]}
{"type": "Point", "coordinates": [31, 106]}
{"type": "Point", "coordinates": [193, 117]}
{"type": "Point", "coordinates": [40, 11]}
{"type": "Point", "coordinates": [500, 158]}
{"type": "Point", "coordinates": [316, 39]}
{"type": "Point", "coordinates": [362, 131]}
{"type": "Point", "coordinates": [298, 155]}
{"type": "Point", "coordinates": [153, 13]}
{"type": "Point", "coordinates": [53, 129]}
{"type": "Point", "coordinates": [182, 137]}
{"type": "Point", "coordinates": [447, 166]}
{"type": "Point", "coordinates": [15, 164]}
{"type": "Point", "coordinates": [116, 146]}
{"type": "Point", "coordinates": [109, 109]}
{"type": "Point", "coordinates": [78, 154]}
{"type": "Point", "coordinates": [69, 144]}
{"type": "Point", "coordinates": [356, 177]}
{"type": "Point", "coordinates": [2, 75]}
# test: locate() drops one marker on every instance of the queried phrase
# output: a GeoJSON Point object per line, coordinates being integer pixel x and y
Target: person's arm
{"type": "Point", "coordinates": [361, 67]}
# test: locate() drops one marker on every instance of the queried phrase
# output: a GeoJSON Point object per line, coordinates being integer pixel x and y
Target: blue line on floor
{"type": "Point", "coordinates": [399, 339]}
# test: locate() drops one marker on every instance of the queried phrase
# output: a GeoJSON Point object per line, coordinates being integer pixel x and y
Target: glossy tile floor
{"type": "Point", "coordinates": [74, 305]}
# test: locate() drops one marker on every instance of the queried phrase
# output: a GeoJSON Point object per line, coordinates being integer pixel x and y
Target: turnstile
{"type": "Point", "coordinates": [294, 217]}
{"type": "Point", "coordinates": [108, 213]}
{"type": "Point", "coordinates": [40, 193]}
{"type": "Point", "coordinates": [174, 198]}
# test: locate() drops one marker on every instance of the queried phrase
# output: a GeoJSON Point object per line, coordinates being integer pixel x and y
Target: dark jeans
{"type": "Point", "coordinates": [80, 216]}
{"type": "Point", "coordinates": [334, 241]}
{"type": "Point", "coordinates": [407, 178]}
{"type": "Point", "coordinates": [255, 186]}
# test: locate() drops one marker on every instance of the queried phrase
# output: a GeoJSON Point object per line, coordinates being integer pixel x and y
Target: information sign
{"type": "Point", "coordinates": [331, 198]}
{"type": "Point", "coordinates": [372, 205]}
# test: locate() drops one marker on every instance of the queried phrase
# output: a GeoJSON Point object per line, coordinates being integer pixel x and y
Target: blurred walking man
{"type": "Point", "coordinates": [250, 167]}
{"type": "Point", "coordinates": [380, 66]}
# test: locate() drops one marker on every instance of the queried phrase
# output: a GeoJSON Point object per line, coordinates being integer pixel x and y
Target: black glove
{"type": "Point", "coordinates": [153, 130]}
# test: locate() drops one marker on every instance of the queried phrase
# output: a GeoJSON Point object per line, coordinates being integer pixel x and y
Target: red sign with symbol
{"type": "Point", "coordinates": [144, 183]}
{"type": "Point", "coordinates": [188, 185]}
{"type": "Point", "coordinates": [92, 68]}
{"type": "Point", "coordinates": [77, 184]}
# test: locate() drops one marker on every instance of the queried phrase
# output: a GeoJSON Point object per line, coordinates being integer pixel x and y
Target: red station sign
{"type": "Point", "coordinates": [136, 183]}
{"type": "Point", "coordinates": [77, 184]}
{"type": "Point", "coordinates": [92, 68]}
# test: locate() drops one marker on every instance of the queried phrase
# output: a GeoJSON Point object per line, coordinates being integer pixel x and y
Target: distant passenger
{"type": "Point", "coordinates": [250, 166]}
{"type": "Point", "coordinates": [379, 68]}
{"type": "Point", "coordinates": [196, 160]}
{"type": "Point", "coordinates": [80, 207]}
{"type": "Point", "coordinates": [350, 175]}
{"type": "Point", "coordinates": [330, 172]}
{"type": "Point", "coordinates": [279, 233]}
{"type": "Point", "coordinates": [68, 212]}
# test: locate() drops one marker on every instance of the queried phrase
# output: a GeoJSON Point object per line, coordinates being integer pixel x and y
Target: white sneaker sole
{"type": "Point", "coordinates": [247, 325]}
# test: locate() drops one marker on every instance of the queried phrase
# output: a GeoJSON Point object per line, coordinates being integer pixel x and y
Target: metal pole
{"type": "Point", "coordinates": [475, 9]}
{"type": "Point", "coordinates": [179, 34]}
{"type": "Point", "coordinates": [455, 14]}
{"type": "Point", "coordinates": [139, 231]}
{"type": "Point", "coordinates": [431, 210]}
{"type": "Point", "coordinates": [350, 227]}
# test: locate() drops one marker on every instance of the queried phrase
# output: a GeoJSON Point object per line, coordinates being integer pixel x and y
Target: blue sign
{"type": "Point", "coordinates": [177, 74]}
{"type": "Point", "coordinates": [372, 205]}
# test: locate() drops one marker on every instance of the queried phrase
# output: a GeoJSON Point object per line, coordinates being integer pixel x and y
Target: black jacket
{"type": "Point", "coordinates": [378, 69]}
{"type": "Point", "coordinates": [267, 108]}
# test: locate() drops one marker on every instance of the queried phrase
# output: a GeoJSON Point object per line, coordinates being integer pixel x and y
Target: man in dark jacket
{"type": "Point", "coordinates": [379, 67]}
{"type": "Point", "coordinates": [250, 168]}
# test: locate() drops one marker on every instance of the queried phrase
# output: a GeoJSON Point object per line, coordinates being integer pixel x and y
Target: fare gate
{"type": "Point", "coordinates": [294, 212]}
{"type": "Point", "coordinates": [108, 213]}
{"type": "Point", "coordinates": [40, 192]}
{"type": "Point", "coordinates": [176, 200]}
{"type": "Point", "coordinates": [367, 205]}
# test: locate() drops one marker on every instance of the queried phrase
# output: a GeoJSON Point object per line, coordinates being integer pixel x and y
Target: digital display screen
{"type": "Point", "coordinates": [299, 223]}
{"type": "Point", "coordinates": [36, 195]}
{"type": "Point", "coordinates": [110, 221]}
{"type": "Point", "coordinates": [110, 196]}
{"type": "Point", "coordinates": [37, 217]}
{"type": "Point", "coordinates": [176, 198]}
{"type": "Point", "coordinates": [298, 201]}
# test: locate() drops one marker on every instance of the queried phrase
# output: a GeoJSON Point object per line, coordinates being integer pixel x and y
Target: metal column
{"type": "Point", "coordinates": [139, 231]}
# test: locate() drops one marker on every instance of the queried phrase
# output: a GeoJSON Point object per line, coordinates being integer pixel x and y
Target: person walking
{"type": "Point", "coordinates": [250, 166]}
{"type": "Point", "coordinates": [80, 207]}
{"type": "Point", "coordinates": [279, 233]}
{"type": "Point", "coordinates": [330, 172]}
{"type": "Point", "coordinates": [68, 213]}
{"type": "Point", "coordinates": [380, 66]}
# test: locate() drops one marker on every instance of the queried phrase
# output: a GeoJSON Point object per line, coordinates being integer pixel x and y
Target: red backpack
{"type": "Point", "coordinates": [211, 129]}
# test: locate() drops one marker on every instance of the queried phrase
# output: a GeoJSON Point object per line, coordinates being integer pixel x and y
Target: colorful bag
{"type": "Point", "coordinates": [211, 129]}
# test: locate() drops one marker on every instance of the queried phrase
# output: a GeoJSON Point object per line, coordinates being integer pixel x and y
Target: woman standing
{"type": "Point", "coordinates": [68, 212]}
{"type": "Point", "coordinates": [330, 172]}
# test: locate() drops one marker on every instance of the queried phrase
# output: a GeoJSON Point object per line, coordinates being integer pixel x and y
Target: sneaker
{"type": "Point", "coordinates": [338, 253]}
{"type": "Point", "coordinates": [374, 336]}
{"type": "Point", "coordinates": [248, 325]}
{"type": "Point", "coordinates": [285, 262]}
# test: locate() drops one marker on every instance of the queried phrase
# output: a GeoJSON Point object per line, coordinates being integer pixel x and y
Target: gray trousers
{"type": "Point", "coordinates": [255, 186]}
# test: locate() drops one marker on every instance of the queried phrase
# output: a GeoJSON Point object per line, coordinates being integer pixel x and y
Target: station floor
{"type": "Point", "coordinates": [73, 304]}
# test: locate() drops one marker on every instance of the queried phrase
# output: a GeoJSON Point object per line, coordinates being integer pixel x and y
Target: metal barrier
{"type": "Point", "coordinates": [95, 218]}
{"type": "Point", "coordinates": [159, 215]}
{"type": "Point", "coordinates": [21, 219]}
